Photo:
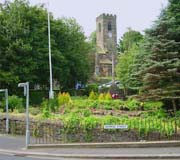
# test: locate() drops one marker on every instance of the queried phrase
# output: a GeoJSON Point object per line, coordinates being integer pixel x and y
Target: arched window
{"type": "Point", "coordinates": [99, 27]}
{"type": "Point", "coordinates": [109, 26]}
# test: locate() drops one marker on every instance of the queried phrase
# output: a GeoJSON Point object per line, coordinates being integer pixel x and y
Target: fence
{"type": "Point", "coordinates": [43, 132]}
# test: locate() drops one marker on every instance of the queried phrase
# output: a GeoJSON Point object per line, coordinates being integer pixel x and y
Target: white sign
{"type": "Point", "coordinates": [115, 126]}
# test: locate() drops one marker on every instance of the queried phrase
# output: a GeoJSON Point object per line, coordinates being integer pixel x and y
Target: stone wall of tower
{"type": "Point", "coordinates": [106, 40]}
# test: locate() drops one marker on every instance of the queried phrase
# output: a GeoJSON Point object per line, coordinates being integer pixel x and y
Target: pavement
{"type": "Point", "coordinates": [15, 145]}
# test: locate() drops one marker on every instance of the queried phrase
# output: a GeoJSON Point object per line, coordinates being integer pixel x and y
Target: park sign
{"type": "Point", "coordinates": [115, 126]}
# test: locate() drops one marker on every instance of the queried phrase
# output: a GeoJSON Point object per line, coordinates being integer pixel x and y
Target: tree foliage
{"type": "Point", "coordinates": [128, 66]}
{"type": "Point", "coordinates": [24, 47]}
{"type": "Point", "coordinates": [128, 39]}
{"type": "Point", "coordinates": [161, 75]}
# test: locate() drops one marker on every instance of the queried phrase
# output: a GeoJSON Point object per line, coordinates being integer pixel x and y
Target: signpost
{"type": "Point", "coordinates": [7, 116]}
{"type": "Point", "coordinates": [26, 93]}
{"type": "Point", "coordinates": [115, 126]}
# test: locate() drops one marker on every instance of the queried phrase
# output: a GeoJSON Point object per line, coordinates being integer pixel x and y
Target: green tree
{"type": "Point", "coordinates": [92, 53]}
{"type": "Point", "coordinates": [127, 67]}
{"type": "Point", "coordinates": [161, 74]}
{"type": "Point", "coordinates": [128, 39]}
{"type": "Point", "coordinates": [24, 47]}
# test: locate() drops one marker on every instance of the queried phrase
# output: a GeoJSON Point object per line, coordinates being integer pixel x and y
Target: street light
{"type": "Point", "coordinates": [7, 116]}
{"type": "Point", "coordinates": [51, 94]}
{"type": "Point", "coordinates": [26, 93]}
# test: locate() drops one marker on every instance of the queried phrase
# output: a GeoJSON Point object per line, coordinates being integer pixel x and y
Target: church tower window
{"type": "Point", "coordinates": [99, 27]}
{"type": "Point", "coordinates": [109, 26]}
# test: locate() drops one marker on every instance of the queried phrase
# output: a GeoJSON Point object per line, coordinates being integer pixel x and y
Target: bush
{"type": "Point", "coordinates": [177, 114]}
{"type": "Point", "coordinates": [48, 106]}
{"type": "Point", "coordinates": [91, 87]}
{"type": "Point", "coordinates": [108, 96]}
{"type": "Point", "coordinates": [101, 96]}
{"type": "Point", "coordinates": [14, 103]}
{"type": "Point", "coordinates": [152, 105]}
{"type": "Point", "coordinates": [133, 104]}
{"type": "Point", "coordinates": [104, 96]}
{"type": "Point", "coordinates": [37, 96]}
{"type": "Point", "coordinates": [92, 95]}
{"type": "Point", "coordinates": [64, 98]}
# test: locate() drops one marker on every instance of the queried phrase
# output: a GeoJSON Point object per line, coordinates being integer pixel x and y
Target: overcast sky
{"type": "Point", "coordinates": [137, 14]}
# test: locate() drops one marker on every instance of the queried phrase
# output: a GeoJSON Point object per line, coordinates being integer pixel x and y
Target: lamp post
{"type": "Point", "coordinates": [26, 93]}
{"type": "Point", "coordinates": [51, 94]}
{"type": "Point", "coordinates": [7, 116]}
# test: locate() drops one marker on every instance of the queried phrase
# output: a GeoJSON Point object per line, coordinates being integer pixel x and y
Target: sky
{"type": "Point", "coordinates": [137, 14]}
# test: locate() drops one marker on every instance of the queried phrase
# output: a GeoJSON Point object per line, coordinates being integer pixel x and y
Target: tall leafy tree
{"type": "Point", "coordinates": [127, 66]}
{"type": "Point", "coordinates": [128, 39]}
{"type": "Point", "coordinates": [24, 47]}
{"type": "Point", "coordinates": [161, 75]}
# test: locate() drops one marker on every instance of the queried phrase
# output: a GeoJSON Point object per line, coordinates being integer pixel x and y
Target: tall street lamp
{"type": "Point", "coordinates": [7, 116]}
{"type": "Point", "coordinates": [26, 93]}
{"type": "Point", "coordinates": [51, 94]}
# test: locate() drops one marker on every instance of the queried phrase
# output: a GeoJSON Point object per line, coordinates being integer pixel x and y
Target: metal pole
{"type": "Point", "coordinates": [27, 114]}
{"type": "Point", "coordinates": [7, 116]}
{"type": "Point", "coordinates": [26, 93]}
{"type": "Point", "coordinates": [51, 95]}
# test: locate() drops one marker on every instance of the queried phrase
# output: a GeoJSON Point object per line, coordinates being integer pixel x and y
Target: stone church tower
{"type": "Point", "coordinates": [106, 41]}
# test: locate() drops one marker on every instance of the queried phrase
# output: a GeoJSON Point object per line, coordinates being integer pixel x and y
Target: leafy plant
{"type": "Point", "coordinates": [177, 114]}
{"type": "Point", "coordinates": [108, 96]}
{"type": "Point", "coordinates": [92, 95]}
{"type": "Point", "coordinates": [64, 98]}
{"type": "Point", "coordinates": [46, 110]}
{"type": "Point", "coordinates": [91, 87]}
{"type": "Point", "coordinates": [132, 104]}
{"type": "Point", "coordinates": [152, 105]}
{"type": "Point", "coordinates": [101, 96]}
{"type": "Point", "coordinates": [15, 103]}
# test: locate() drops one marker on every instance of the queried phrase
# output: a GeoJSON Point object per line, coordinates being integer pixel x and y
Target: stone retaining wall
{"type": "Point", "coordinates": [54, 132]}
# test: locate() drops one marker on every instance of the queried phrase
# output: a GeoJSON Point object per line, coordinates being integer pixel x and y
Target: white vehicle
{"type": "Point", "coordinates": [108, 84]}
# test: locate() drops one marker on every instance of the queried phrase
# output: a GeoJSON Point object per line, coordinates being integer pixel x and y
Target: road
{"type": "Point", "coordinates": [16, 157]}
{"type": "Point", "coordinates": [13, 157]}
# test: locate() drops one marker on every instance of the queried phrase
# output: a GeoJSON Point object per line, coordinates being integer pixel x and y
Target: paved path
{"type": "Point", "coordinates": [12, 142]}
{"type": "Point", "coordinates": [17, 144]}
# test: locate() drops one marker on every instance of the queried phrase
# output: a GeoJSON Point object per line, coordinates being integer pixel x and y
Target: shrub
{"type": "Point", "coordinates": [85, 112]}
{"type": "Point", "coordinates": [14, 102]}
{"type": "Point", "coordinates": [92, 95]}
{"type": "Point", "coordinates": [46, 113]}
{"type": "Point", "coordinates": [177, 114]}
{"type": "Point", "coordinates": [133, 104]}
{"type": "Point", "coordinates": [91, 87]}
{"type": "Point", "coordinates": [108, 96]}
{"type": "Point", "coordinates": [37, 96]}
{"type": "Point", "coordinates": [152, 105]}
{"type": "Point", "coordinates": [71, 122]}
{"type": "Point", "coordinates": [64, 98]}
{"type": "Point", "coordinates": [101, 96]}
